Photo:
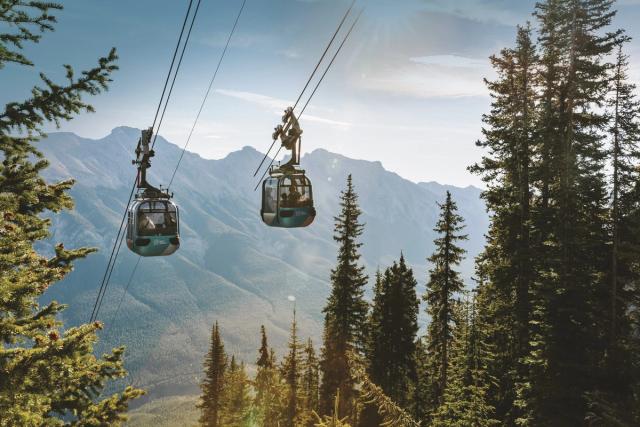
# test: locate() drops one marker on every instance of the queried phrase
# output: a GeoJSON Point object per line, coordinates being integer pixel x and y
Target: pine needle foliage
{"type": "Point", "coordinates": [392, 415]}
{"type": "Point", "coordinates": [443, 286]}
{"type": "Point", "coordinates": [346, 309]}
{"type": "Point", "coordinates": [213, 385]}
{"type": "Point", "coordinates": [48, 374]}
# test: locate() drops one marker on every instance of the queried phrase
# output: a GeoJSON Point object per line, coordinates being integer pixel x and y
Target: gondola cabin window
{"type": "Point", "coordinates": [157, 218]}
{"type": "Point", "coordinates": [270, 195]}
{"type": "Point", "coordinates": [295, 191]}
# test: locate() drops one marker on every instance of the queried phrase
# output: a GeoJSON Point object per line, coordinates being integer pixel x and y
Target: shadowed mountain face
{"type": "Point", "coordinates": [230, 267]}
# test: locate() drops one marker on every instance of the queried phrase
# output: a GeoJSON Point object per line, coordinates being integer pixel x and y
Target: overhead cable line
{"type": "Point", "coordinates": [175, 75]}
{"type": "Point", "coordinates": [124, 293]}
{"type": "Point", "coordinates": [204, 100]}
{"type": "Point", "coordinates": [120, 236]}
{"type": "Point", "coordinates": [326, 50]}
{"type": "Point", "coordinates": [335, 55]}
{"type": "Point", "coordinates": [188, 139]}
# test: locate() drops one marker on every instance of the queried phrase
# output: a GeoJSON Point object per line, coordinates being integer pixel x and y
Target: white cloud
{"type": "Point", "coordinates": [258, 99]}
{"type": "Point", "coordinates": [482, 10]}
{"type": "Point", "coordinates": [437, 76]}
{"type": "Point", "coordinates": [290, 53]}
{"type": "Point", "coordinates": [277, 106]}
{"type": "Point", "coordinates": [454, 61]}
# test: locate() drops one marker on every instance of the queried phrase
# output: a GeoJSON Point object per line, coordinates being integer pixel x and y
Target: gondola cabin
{"type": "Point", "coordinates": [153, 227]}
{"type": "Point", "coordinates": [287, 200]}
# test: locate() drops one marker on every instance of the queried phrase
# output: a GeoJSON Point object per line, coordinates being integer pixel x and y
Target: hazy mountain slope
{"type": "Point", "coordinates": [230, 267]}
{"type": "Point", "coordinates": [166, 412]}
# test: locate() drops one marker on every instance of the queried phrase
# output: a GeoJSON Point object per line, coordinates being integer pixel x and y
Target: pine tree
{"type": "Point", "coordinates": [390, 413]}
{"type": "Point", "coordinates": [291, 372]}
{"type": "Point", "coordinates": [444, 283]}
{"type": "Point", "coordinates": [420, 401]}
{"type": "Point", "coordinates": [393, 327]}
{"type": "Point", "coordinates": [48, 375]}
{"type": "Point", "coordinates": [346, 310]}
{"type": "Point", "coordinates": [625, 157]}
{"type": "Point", "coordinates": [510, 137]}
{"type": "Point", "coordinates": [235, 402]}
{"type": "Point", "coordinates": [376, 343]}
{"type": "Point", "coordinates": [310, 386]}
{"type": "Point", "coordinates": [547, 264]}
{"type": "Point", "coordinates": [567, 305]}
{"type": "Point", "coordinates": [270, 398]}
{"type": "Point", "coordinates": [614, 398]}
{"type": "Point", "coordinates": [466, 395]}
{"type": "Point", "coordinates": [213, 385]}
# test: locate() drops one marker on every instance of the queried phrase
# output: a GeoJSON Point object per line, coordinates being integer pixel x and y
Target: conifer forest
{"type": "Point", "coordinates": [538, 325]}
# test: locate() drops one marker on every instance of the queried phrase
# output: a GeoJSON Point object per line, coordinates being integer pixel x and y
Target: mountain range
{"type": "Point", "coordinates": [231, 268]}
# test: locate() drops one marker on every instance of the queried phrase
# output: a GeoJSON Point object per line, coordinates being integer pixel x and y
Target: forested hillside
{"type": "Point", "coordinates": [402, 304]}
{"type": "Point", "coordinates": [551, 334]}
{"type": "Point", "coordinates": [230, 267]}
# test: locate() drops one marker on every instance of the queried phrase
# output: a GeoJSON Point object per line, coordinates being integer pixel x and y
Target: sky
{"type": "Point", "coordinates": [407, 88]}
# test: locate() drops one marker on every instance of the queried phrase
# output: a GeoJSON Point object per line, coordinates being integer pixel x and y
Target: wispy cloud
{"type": "Point", "coordinates": [290, 53]}
{"type": "Point", "coordinates": [437, 76]}
{"type": "Point", "coordinates": [492, 11]}
{"type": "Point", "coordinates": [277, 106]}
{"type": "Point", "coordinates": [255, 98]}
{"type": "Point", "coordinates": [450, 61]}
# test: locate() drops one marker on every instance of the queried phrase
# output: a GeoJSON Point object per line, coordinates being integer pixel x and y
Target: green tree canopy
{"type": "Point", "coordinates": [48, 374]}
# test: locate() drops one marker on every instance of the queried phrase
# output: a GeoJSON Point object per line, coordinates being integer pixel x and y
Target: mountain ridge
{"type": "Point", "coordinates": [229, 261]}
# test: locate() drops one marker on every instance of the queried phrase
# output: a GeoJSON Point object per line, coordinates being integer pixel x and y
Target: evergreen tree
{"type": "Point", "coordinates": [291, 372]}
{"type": "Point", "coordinates": [615, 394]}
{"type": "Point", "coordinates": [567, 333]}
{"type": "Point", "coordinates": [548, 276]}
{"type": "Point", "coordinates": [420, 394]}
{"type": "Point", "coordinates": [310, 386]}
{"type": "Point", "coordinates": [269, 391]}
{"type": "Point", "coordinates": [390, 413]}
{"type": "Point", "coordinates": [376, 343]}
{"type": "Point", "coordinates": [444, 283]}
{"type": "Point", "coordinates": [333, 420]}
{"type": "Point", "coordinates": [510, 136]}
{"type": "Point", "coordinates": [48, 375]}
{"type": "Point", "coordinates": [346, 310]}
{"type": "Point", "coordinates": [235, 402]}
{"type": "Point", "coordinates": [213, 385]}
{"type": "Point", "coordinates": [393, 328]}
{"type": "Point", "coordinates": [466, 395]}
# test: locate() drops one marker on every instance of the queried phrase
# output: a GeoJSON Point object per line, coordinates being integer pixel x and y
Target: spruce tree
{"type": "Point", "coordinates": [235, 408]}
{"type": "Point", "coordinates": [625, 158]}
{"type": "Point", "coordinates": [346, 310]}
{"type": "Point", "coordinates": [509, 170]}
{"type": "Point", "coordinates": [310, 385]}
{"type": "Point", "coordinates": [466, 396]}
{"type": "Point", "coordinates": [48, 375]}
{"type": "Point", "coordinates": [269, 396]}
{"type": "Point", "coordinates": [420, 400]}
{"type": "Point", "coordinates": [547, 304]}
{"type": "Point", "coordinates": [213, 385]}
{"type": "Point", "coordinates": [376, 343]}
{"type": "Point", "coordinates": [444, 283]}
{"type": "Point", "coordinates": [393, 327]}
{"type": "Point", "coordinates": [614, 396]}
{"type": "Point", "coordinates": [291, 372]}
{"type": "Point", "coordinates": [567, 329]}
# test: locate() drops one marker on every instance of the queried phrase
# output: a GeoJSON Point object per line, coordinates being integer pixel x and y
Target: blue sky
{"type": "Point", "coordinates": [406, 90]}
